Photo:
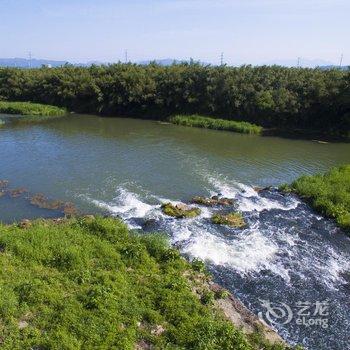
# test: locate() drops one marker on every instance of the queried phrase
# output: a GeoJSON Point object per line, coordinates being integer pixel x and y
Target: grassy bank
{"type": "Point", "coordinates": [217, 124]}
{"type": "Point", "coordinates": [328, 193]}
{"type": "Point", "coordinates": [32, 110]}
{"type": "Point", "coordinates": [89, 283]}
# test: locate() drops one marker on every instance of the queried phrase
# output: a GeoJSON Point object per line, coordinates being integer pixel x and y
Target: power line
{"type": "Point", "coordinates": [298, 62]}
{"type": "Point", "coordinates": [341, 60]}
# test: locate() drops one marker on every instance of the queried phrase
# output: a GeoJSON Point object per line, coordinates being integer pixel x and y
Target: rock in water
{"type": "Point", "coordinates": [210, 202]}
{"type": "Point", "coordinates": [180, 210]}
{"type": "Point", "coordinates": [234, 219]}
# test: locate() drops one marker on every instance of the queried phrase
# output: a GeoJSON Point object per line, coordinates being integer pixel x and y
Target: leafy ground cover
{"type": "Point", "coordinates": [217, 124]}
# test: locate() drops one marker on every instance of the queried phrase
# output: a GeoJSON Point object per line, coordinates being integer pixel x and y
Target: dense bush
{"type": "Point", "coordinates": [276, 97]}
{"type": "Point", "coordinates": [328, 193]}
{"type": "Point", "coordinates": [91, 284]}
{"type": "Point", "coordinates": [215, 123]}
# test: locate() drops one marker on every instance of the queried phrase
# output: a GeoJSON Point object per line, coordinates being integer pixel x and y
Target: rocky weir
{"type": "Point", "coordinates": [277, 254]}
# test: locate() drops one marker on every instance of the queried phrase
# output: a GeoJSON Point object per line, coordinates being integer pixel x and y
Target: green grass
{"type": "Point", "coordinates": [328, 193]}
{"type": "Point", "coordinates": [34, 110]}
{"type": "Point", "coordinates": [89, 283]}
{"type": "Point", "coordinates": [217, 124]}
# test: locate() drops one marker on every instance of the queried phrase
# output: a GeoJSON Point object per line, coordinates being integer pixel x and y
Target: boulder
{"type": "Point", "coordinates": [210, 202]}
{"type": "Point", "coordinates": [234, 219]}
{"type": "Point", "coordinates": [180, 210]}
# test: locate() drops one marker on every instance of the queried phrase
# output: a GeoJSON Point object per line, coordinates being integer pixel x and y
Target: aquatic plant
{"type": "Point", "coordinates": [89, 283]}
{"type": "Point", "coordinates": [217, 124]}
{"type": "Point", "coordinates": [328, 193]}
{"type": "Point", "coordinates": [180, 210]}
{"type": "Point", "coordinates": [233, 219]}
{"type": "Point", "coordinates": [34, 110]}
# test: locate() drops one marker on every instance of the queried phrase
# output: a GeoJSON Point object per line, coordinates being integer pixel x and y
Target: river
{"type": "Point", "coordinates": [288, 255]}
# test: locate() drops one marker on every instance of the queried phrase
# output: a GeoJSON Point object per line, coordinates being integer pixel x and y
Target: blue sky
{"type": "Point", "coordinates": [247, 31]}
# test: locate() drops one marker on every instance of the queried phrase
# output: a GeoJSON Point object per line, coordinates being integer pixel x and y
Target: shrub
{"type": "Point", "coordinates": [30, 109]}
{"type": "Point", "coordinates": [328, 193]}
{"type": "Point", "coordinates": [217, 124]}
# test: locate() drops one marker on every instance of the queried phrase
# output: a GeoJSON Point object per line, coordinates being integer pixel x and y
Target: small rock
{"type": "Point", "coordinates": [25, 223]}
{"type": "Point", "coordinates": [210, 202]}
{"type": "Point", "coordinates": [182, 206]}
{"type": "Point", "coordinates": [3, 183]}
{"type": "Point", "coordinates": [89, 218]}
{"type": "Point", "coordinates": [17, 192]}
{"type": "Point", "coordinates": [22, 324]}
{"type": "Point", "coordinates": [69, 209]}
{"type": "Point", "coordinates": [158, 330]}
{"type": "Point", "coordinates": [142, 345]}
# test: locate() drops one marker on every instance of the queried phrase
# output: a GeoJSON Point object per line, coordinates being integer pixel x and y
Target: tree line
{"type": "Point", "coordinates": [271, 96]}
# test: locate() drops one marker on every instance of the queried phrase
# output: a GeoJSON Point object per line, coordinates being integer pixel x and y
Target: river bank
{"type": "Point", "coordinates": [95, 269]}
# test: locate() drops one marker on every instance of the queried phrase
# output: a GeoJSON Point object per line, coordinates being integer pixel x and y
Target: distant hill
{"type": "Point", "coordinates": [304, 63]}
{"type": "Point", "coordinates": [169, 62]}
{"type": "Point", "coordinates": [345, 68]}
{"type": "Point", "coordinates": [37, 63]}
{"type": "Point", "coordinates": [26, 63]}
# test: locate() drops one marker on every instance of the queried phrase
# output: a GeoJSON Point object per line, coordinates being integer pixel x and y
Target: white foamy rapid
{"type": "Point", "coordinates": [250, 252]}
{"type": "Point", "coordinates": [247, 198]}
{"type": "Point", "coordinates": [264, 245]}
{"type": "Point", "coordinates": [126, 205]}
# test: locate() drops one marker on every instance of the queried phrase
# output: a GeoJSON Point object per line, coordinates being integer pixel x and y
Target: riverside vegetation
{"type": "Point", "coordinates": [30, 109]}
{"type": "Point", "coordinates": [88, 282]}
{"type": "Point", "coordinates": [314, 100]}
{"type": "Point", "coordinates": [217, 124]}
{"type": "Point", "coordinates": [328, 193]}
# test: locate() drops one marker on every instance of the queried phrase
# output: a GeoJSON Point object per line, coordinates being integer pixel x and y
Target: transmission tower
{"type": "Point", "coordinates": [126, 56]}
{"type": "Point", "coordinates": [222, 59]}
{"type": "Point", "coordinates": [30, 59]}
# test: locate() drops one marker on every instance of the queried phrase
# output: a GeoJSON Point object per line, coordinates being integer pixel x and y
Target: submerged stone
{"type": "Point", "coordinates": [180, 210]}
{"type": "Point", "coordinates": [39, 200]}
{"type": "Point", "coordinates": [234, 219]}
{"type": "Point", "coordinates": [17, 192]}
{"type": "Point", "coordinates": [3, 183]}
